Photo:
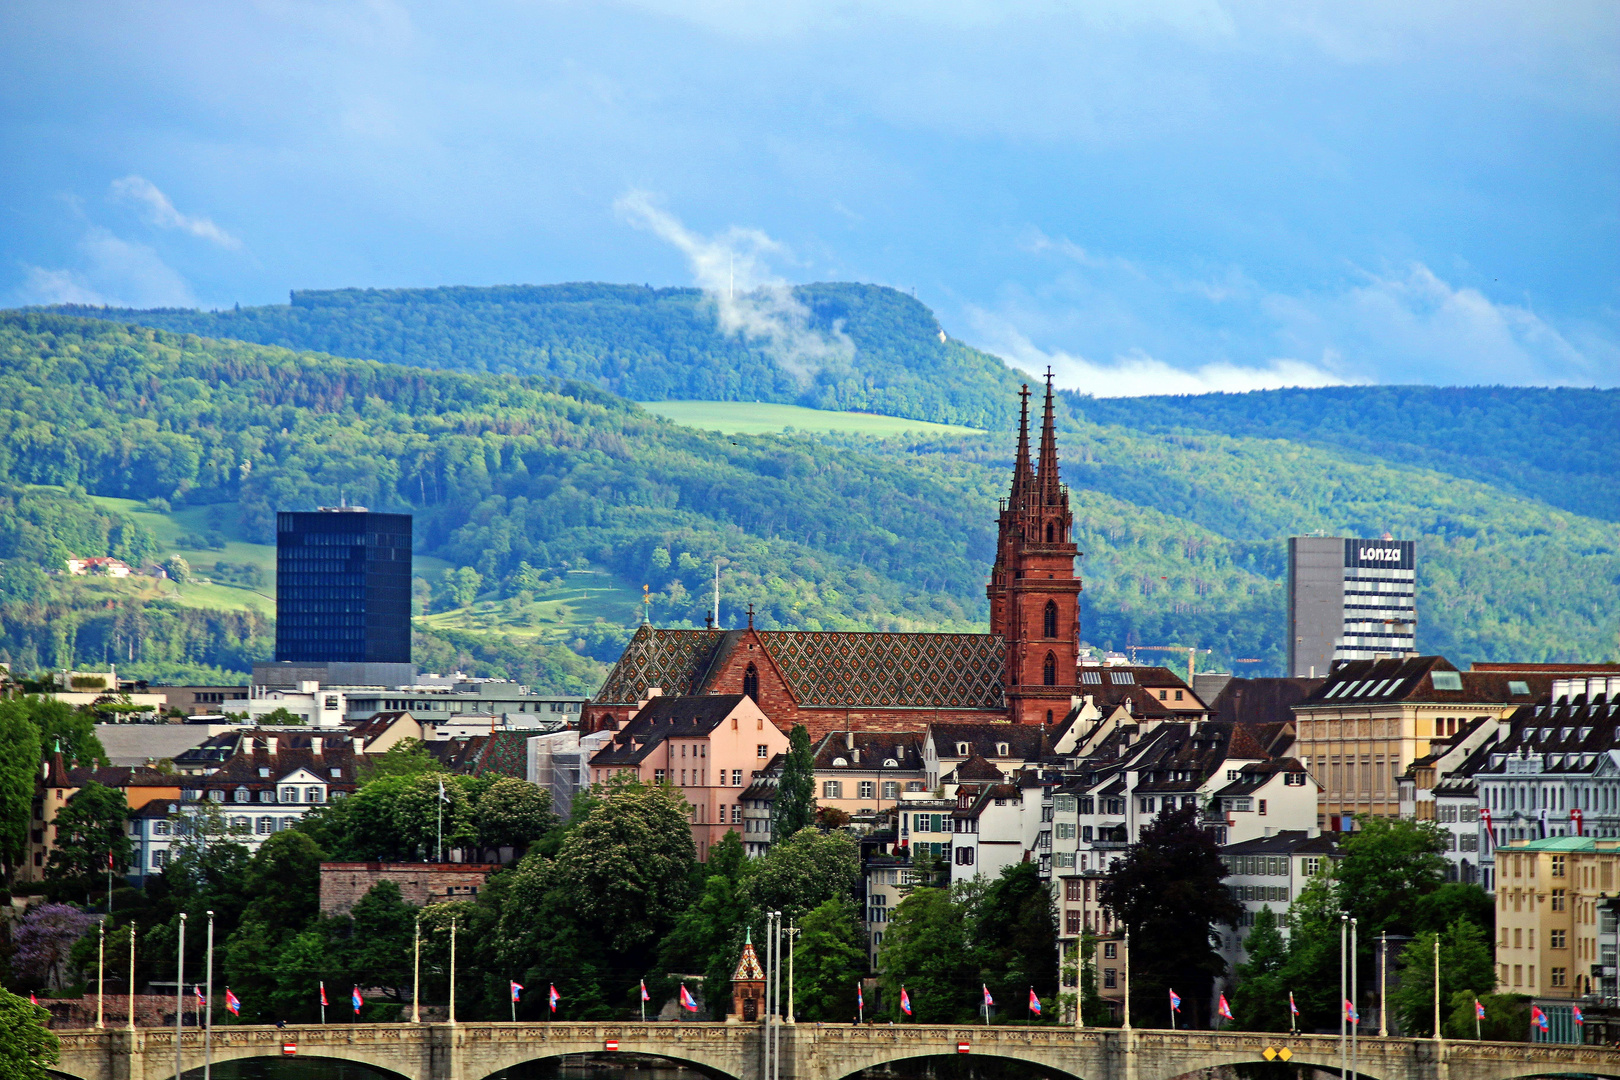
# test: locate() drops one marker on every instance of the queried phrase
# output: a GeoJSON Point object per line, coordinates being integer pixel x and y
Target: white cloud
{"type": "Point", "coordinates": [161, 212]}
{"type": "Point", "coordinates": [114, 272]}
{"type": "Point", "coordinates": [1136, 374]}
{"type": "Point", "coordinates": [749, 300]}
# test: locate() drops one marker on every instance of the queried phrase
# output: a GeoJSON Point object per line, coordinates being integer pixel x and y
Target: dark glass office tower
{"type": "Point", "coordinates": [343, 587]}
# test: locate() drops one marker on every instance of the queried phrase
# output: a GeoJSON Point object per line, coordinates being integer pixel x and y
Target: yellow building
{"type": "Point", "coordinates": [1547, 917]}
{"type": "Point", "coordinates": [1362, 729]}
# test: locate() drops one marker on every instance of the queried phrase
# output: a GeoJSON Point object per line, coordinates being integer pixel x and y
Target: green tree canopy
{"type": "Point", "coordinates": [90, 827]}
{"type": "Point", "coordinates": [794, 807]}
{"type": "Point", "coordinates": [27, 1047]}
{"type": "Point", "coordinates": [1466, 968]}
{"type": "Point", "coordinates": [808, 869]}
{"type": "Point", "coordinates": [829, 960]}
{"type": "Point", "coordinates": [1261, 999]}
{"type": "Point", "coordinates": [1169, 892]}
{"type": "Point", "coordinates": [1389, 865]}
{"type": "Point", "coordinates": [926, 950]}
{"type": "Point", "coordinates": [1015, 935]}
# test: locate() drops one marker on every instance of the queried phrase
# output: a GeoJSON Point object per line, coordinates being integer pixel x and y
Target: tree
{"type": "Point", "coordinates": [90, 827]}
{"type": "Point", "coordinates": [513, 813]}
{"type": "Point", "coordinates": [1312, 969]}
{"type": "Point", "coordinates": [829, 961]}
{"type": "Point", "coordinates": [804, 872]}
{"type": "Point", "coordinates": [178, 569]}
{"type": "Point", "coordinates": [1466, 968]}
{"type": "Point", "coordinates": [408, 757]}
{"type": "Point", "coordinates": [27, 1046]}
{"type": "Point", "coordinates": [463, 585]}
{"type": "Point", "coordinates": [1016, 935]}
{"type": "Point", "coordinates": [1389, 864]}
{"type": "Point", "coordinates": [1261, 1000]}
{"type": "Point", "coordinates": [19, 768]}
{"type": "Point", "coordinates": [44, 942]}
{"type": "Point", "coordinates": [925, 950]}
{"type": "Point", "coordinates": [1451, 901]}
{"type": "Point", "coordinates": [378, 949]}
{"type": "Point", "coordinates": [66, 729]}
{"type": "Point", "coordinates": [794, 807]}
{"type": "Point", "coordinates": [281, 716]}
{"type": "Point", "coordinates": [1169, 893]}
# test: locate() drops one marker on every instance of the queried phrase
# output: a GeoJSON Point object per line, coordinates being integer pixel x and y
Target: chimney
{"type": "Point", "coordinates": [315, 745]}
{"type": "Point", "coordinates": [270, 745]}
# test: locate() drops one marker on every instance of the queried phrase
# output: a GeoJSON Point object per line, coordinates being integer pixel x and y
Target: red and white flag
{"type": "Point", "coordinates": [688, 1002]}
{"type": "Point", "coordinates": [644, 995]}
{"type": "Point", "coordinates": [323, 992]}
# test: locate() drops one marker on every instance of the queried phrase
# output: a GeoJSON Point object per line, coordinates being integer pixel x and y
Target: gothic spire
{"type": "Point", "coordinates": [1050, 485]}
{"type": "Point", "coordinates": [1023, 483]}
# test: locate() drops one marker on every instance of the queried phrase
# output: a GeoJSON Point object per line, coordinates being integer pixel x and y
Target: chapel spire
{"type": "Point", "coordinates": [1049, 484]}
{"type": "Point", "coordinates": [1023, 481]}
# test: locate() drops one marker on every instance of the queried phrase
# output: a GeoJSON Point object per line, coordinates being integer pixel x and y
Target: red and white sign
{"type": "Point", "coordinates": [962, 1047]}
{"type": "Point", "coordinates": [289, 1049]}
{"type": "Point", "coordinates": [611, 1044]}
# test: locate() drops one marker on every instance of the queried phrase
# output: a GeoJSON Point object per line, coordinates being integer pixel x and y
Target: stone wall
{"type": "Point", "coordinates": [420, 884]}
{"type": "Point", "coordinates": [151, 1010]}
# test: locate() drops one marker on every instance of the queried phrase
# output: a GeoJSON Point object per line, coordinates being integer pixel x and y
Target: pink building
{"type": "Point", "coordinates": [709, 747]}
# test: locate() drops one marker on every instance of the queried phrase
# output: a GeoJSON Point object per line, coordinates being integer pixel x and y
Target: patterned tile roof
{"type": "Point", "coordinates": [834, 668]}
{"type": "Point", "coordinates": [824, 669]}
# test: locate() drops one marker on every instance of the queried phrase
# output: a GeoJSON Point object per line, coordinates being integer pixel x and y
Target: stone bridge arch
{"type": "Point", "coordinates": [719, 1051]}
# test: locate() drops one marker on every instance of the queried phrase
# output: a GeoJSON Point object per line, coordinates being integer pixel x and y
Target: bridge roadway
{"type": "Point", "coordinates": [811, 1051]}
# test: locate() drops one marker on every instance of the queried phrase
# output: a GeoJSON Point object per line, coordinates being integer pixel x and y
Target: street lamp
{"type": "Point", "coordinates": [792, 932]}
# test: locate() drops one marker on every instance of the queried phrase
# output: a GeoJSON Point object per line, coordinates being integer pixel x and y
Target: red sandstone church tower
{"type": "Point", "coordinates": [1034, 591]}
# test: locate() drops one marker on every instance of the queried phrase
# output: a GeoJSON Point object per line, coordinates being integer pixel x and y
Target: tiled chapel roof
{"type": "Point", "coordinates": [825, 669]}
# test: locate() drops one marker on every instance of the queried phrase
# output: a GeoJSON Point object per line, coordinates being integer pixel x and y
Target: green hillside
{"type": "Point", "coordinates": [526, 487]}
{"type": "Point", "coordinates": [764, 418]}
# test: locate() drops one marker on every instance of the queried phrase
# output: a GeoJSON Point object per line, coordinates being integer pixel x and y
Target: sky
{"type": "Point", "coordinates": [1151, 196]}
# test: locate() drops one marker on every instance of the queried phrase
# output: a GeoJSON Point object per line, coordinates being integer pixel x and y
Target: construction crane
{"type": "Point", "coordinates": [1192, 655]}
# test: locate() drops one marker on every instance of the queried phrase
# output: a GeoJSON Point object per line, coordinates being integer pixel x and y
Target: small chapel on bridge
{"type": "Point", "coordinates": [1024, 671]}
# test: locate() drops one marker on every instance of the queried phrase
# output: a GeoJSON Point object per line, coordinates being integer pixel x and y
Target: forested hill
{"type": "Point", "coordinates": [831, 346]}
{"type": "Point", "coordinates": [517, 481]}
{"type": "Point", "coordinates": [1558, 445]}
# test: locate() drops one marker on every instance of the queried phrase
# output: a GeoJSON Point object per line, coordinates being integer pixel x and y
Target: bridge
{"type": "Point", "coordinates": [812, 1051]}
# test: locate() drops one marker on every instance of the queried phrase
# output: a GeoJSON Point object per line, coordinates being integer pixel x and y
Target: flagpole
{"type": "Point", "coordinates": [132, 977]}
{"type": "Point", "coordinates": [1172, 1010]}
{"type": "Point", "coordinates": [452, 968]}
{"type": "Point", "coordinates": [512, 993]}
{"type": "Point", "coordinates": [1355, 1004]}
{"type": "Point", "coordinates": [1437, 988]}
{"type": "Point", "coordinates": [323, 1002]}
{"type": "Point", "coordinates": [1126, 968]}
{"type": "Point", "coordinates": [1383, 983]}
{"type": "Point", "coordinates": [416, 975]}
{"type": "Point", "coordinates": [179, 997]}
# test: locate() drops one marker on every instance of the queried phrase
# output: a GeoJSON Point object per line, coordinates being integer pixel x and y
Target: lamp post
{"type": "Point", "coordinates": [452, 971]}
{"type": "Point", "coordinates": [208, 1004]}
{"type": "Point", "coordinates": [416, 975]}
{"type": "Point", "coordinates": [179, 998]}
{"type": "Point", "coordinates": [131, 976]}
{"type": "Point", "coordinates": [1344, 1016]}
{"type": "Point", "coordinates": [1355, 1004]}
{"type": "Point", "coordinates": [101, 968]}
{"type": "Point", "coordinates": [792, 932]}
{"type": "Point", "coordinates": [1125, 969]}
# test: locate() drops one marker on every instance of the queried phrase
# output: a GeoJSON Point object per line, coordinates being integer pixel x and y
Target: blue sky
{"type": "Point", "coordinates": [1153, 197]}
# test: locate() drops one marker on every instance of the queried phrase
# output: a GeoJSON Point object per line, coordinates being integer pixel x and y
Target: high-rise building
{"type": "Point", "coordinates": [1349, 599]}
{"type": "Point", "coordinates": [343, 587]}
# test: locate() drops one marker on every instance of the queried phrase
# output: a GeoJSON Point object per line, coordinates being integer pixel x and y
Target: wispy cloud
{"type": "Point", "coordinates": [732, 268]}
{"type": "Point", "coordinates": [114, 272]}
{"type": "Point", "coordinates": [159, 211]}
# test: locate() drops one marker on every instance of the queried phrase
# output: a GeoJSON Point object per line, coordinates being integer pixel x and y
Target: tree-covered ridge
{"type": "Point", "coordinates": [642, 343]}
{"type": "Point", "coordinates": [1556, 445]}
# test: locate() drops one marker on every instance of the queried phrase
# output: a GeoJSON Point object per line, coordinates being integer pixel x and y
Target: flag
{"type": "Point", "coordinates": [32, 1000]}
{"type": "Point", "coordinates": [1575, 1014]}
{"type": "Point", "coordinates": [905, 1001]}
{"type": "Point", "coordinates": [323, 994]}
{"type": "Point", "coordinates": [517, 991]}
{"type": "Point", "coordinates": [356, 1000]}
{"type": "Point", "coordinates": [1175, 1002]}
{"type": "Point", "coordinates": [1538, 1018]}
{"type": "Point", "coordinates": [1350, 1013]}
{"type": "Point", "coordinates": [553, 999]}
{"type": "Point", "coordinates": [1479, 1010]}
{"type": "Point", "coordinates": [988, 1000]}
{"type": "Point", "coordinates": [196, 990]}
{"type": "Point", "coordinates": [688, 1002]}
{"type": "Point", "coordinates": [1292, 1008]}
{"type": "Point", "coordinates": [860, 998]}
{"type": "Point", "coordinates": [110, 862]}
{"type": "Point", "coordinates": [1034, 1002]}
{"type": "Point", "coordinates": [1225, 1009]}
{"type": "Point", "coordinates": [232, 1002]}
{"type": "Point", "coordinates": [644, 995]}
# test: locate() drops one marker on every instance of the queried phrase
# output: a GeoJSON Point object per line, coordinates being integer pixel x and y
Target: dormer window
{"type": "Point", "coordinates": [961, 749]}
{"type": "Point", "coordinates": [1001, 749]}
{"type": "Point", "coordinates": [264, 772]}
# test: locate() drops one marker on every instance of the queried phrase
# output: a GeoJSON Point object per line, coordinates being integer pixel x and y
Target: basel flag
{"type": "Point", "coordinates": [1292, 1008]}
{"type": "Point", "coordinates": [1479, 1010]}
{"type": "Point", "coordinates": [323, 992]}
{"type": "Point", "coordinates": [860, 998]}
{"type": "Point", "coordinates": [1350, 1013]}
{"type": "Point", "coordinates": [1175, 1001]}
{"type": "Point", "coordinates": [1538, 1018]}
{"type": "Point", "coordinates": [688, 1002]}
{"type": "Point", "coordinates": [988, 1000]}
{"type": "Point", "coordinates": [905, 1001]}
{"type": "Point", "coordinates": [356, 1000]}
{"type": "Point", "coordinates": [1034, 1002]}
{"type": "Point", "coordinates": [1575, 1015]}
{"type": "Point", "coordinates": [232, 1002]}
{"type": "Point", "coordinates": [1226, 1010]}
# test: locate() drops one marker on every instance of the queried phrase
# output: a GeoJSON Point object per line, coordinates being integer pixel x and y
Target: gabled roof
{"type": "Point", "coordinates": [822, 668]}
{"type": "Point", "coordinates": [667, 718]}
{"type": "Point", "coordinates": [1262, 700]}
{"type": "Point", "coordinates": [1026, 742]}
{"type": "Point", "coordinates": [1287, 842]}
{"type": "Point", "coordinates": [904, 748]}
{"type": "Point", "coordinates": [975, 768]}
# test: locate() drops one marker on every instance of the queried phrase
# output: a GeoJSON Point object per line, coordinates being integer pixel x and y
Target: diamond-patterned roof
{"type": "Point", "coordinates": [826, 668]}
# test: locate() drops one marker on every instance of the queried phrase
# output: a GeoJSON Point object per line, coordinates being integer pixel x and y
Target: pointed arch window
{"type": "Point", "coordinates": [751, 682]}
{"type": "Point", "coordinates": [1049, 621]}
{"type": "Point", "coordinates": [1051, 533]}
{"type": "Point", "coordinates": [1049, 670]}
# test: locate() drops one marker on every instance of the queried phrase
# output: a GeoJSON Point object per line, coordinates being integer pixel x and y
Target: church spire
{"type": "Point", "coordinates": [1023, 482]}
{"type": "Point", "coordinates": [1050, 485]}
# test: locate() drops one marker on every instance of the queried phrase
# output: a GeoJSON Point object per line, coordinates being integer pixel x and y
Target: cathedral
{"type": "Point", "coordinates": [1024, 671]}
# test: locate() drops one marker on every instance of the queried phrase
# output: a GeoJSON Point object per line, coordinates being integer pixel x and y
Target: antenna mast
{"type": "Point", "coordinates": [717, 594]}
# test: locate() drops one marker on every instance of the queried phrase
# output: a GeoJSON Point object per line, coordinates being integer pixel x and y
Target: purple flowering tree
{"type": "Point", "coordinates": [44, 941]}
